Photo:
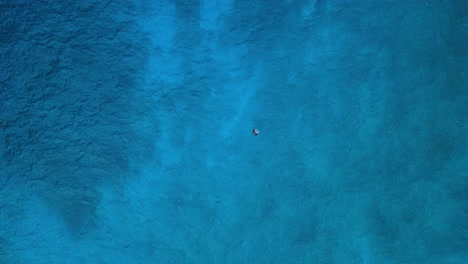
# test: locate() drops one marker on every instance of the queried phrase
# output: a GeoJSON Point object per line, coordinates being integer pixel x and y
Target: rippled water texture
{"type": "Point", "coordinates": [126, 131]}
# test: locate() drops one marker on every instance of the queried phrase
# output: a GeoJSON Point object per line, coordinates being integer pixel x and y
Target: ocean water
{"type": "Point", "coordinates": [126, 131]}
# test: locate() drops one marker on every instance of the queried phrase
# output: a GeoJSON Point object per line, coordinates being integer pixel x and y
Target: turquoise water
{"type": "Point", "coordinates": [127, 131]}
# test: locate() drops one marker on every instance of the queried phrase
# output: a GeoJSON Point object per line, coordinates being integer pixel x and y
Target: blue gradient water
{"type": "Point", "coordinates": [126, 131]}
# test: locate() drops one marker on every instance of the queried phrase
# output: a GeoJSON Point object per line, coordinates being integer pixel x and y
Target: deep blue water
{"type": "Point", "coordinates": [126, 131]}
